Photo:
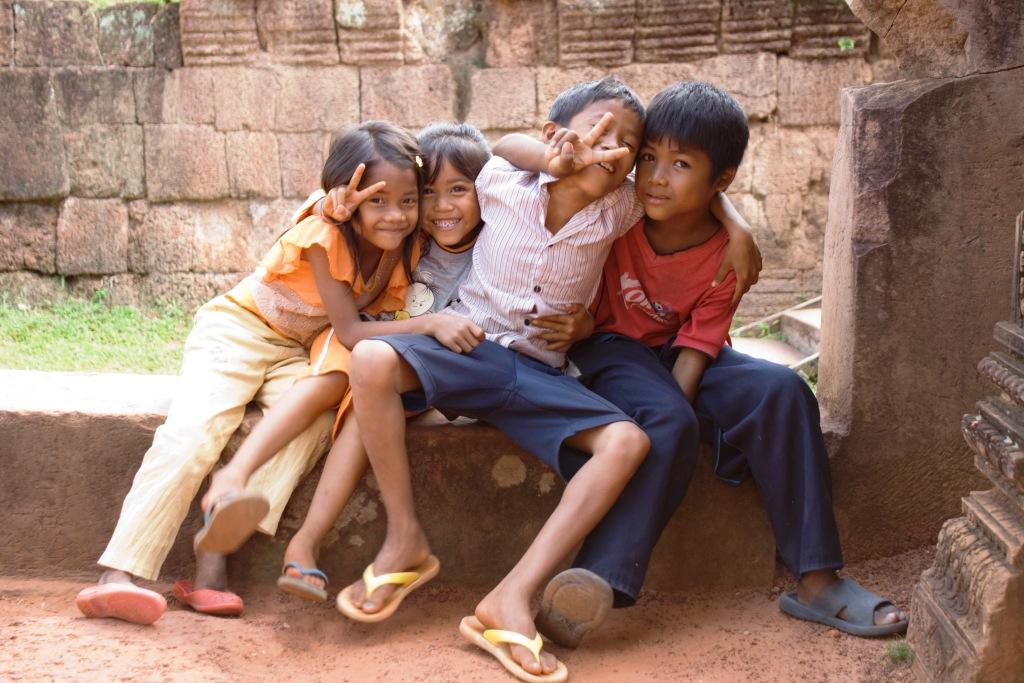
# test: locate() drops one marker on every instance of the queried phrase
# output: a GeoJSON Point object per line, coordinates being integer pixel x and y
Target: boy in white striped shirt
{"type": "Point", "coordinates": [542, 251]}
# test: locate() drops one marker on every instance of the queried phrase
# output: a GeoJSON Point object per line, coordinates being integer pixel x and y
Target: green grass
{"type": "Point", "coordinates": [92, 336]}
{"type": "Point", "coordinates": [899, 652]}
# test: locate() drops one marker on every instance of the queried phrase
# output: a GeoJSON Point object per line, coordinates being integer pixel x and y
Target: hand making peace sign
{"type": "Point", "coordinates": [341, 202]}
{"type": "Point", "coordinates": [568, 153]}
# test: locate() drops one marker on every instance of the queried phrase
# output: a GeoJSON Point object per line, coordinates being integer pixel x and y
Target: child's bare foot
{"type": "Point", "coordinates": [400, 552]}
{"type": "Point", "coordinates": [211, 571]}
{"type": "Point", "coordinates": [812, 583]}
{"type": "Point", "coordinates": [506, 609]}
{"type": "Point", "coordinates": [305, 554]}
{"type": "Point", "coordinates": [225, 483]}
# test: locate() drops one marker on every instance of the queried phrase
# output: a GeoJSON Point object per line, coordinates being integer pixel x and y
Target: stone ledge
{"type": "Point", "coordinates": [70, 444]}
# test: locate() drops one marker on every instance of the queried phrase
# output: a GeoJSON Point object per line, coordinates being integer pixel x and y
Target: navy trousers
{"type": "Point", "coordinates": [761, 419]}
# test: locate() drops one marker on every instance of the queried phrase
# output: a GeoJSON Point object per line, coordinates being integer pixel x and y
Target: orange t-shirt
{"type": "Point", "coordinates": [283, 290]}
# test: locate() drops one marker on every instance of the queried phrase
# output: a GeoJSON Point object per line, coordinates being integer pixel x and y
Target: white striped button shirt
{"type": "Point", "coordinates": [520, 270]}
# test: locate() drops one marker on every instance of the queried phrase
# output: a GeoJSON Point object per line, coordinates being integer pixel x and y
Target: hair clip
{"type": "Point", "coordinates": [419, 161]}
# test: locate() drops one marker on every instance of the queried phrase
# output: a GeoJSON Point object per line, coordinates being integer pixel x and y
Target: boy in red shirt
{"type": "Point", "coordinates": [660, 355]}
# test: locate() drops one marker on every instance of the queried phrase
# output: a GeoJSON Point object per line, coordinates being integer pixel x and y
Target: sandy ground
{"type": "Point", "coordinates": [734, 636]}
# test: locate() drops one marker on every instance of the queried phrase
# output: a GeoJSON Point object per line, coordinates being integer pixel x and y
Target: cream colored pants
{"type": "Point", "coordinates": [231, 358]}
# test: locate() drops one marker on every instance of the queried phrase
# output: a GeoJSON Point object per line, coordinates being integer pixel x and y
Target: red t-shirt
{"type": "Point", "coordinates": [654, 298]}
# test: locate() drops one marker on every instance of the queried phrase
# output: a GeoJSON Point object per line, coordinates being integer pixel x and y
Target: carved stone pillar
{"type": "Point", "coordinates": [967, 612]}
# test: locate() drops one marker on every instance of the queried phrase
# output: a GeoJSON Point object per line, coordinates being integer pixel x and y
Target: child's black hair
{"type": "Point", "coordinates": [580, 96]}
{"type": "Point", "coordinates": [703, 116]}
{"type": "Point", "coordinates": [459, 144]}
{"type": "Point", "coordinates": [371, 143]}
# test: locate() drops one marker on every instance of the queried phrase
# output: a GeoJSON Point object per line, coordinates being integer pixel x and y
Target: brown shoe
{"type": "Point", "coordinates": [575, 603]}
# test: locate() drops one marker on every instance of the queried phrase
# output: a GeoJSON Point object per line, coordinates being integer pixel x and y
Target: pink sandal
{"type": "Point", "coordinates": [121, 601]}
{"type": "Point", "coordinates": [209, 601]}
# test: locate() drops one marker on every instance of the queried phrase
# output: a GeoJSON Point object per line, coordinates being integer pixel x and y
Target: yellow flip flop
{"type": "Point", "coordinates": [408, 581]}
{"type": "Point", "coordinates": [493, 640]}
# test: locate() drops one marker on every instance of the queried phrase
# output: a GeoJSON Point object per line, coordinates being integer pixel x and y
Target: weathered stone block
{"type": "Point", "coordinates": [822, 28]}
{"type": "Point", "coordinates": [6, 34]}
{"type": "Point", "coordinates": [756, 25]}
{"type": "Point", "coordinates": [677, 30]}
{"type": "Point", "coordinates": [749, 78]}
{"type": "Point", "coordinates": [245, 99]}
{"type": "Point", "coordinates": [269, 220]}
{"type": "Point", "coordinates": [27, 287]}
{"type": "Point", "coordinates": [551, 81]}
{"type": "Point", "coordinates": [596, 33]}
{"type": "Point", "coordinates": [521, 33]}
{"type": "Point", "coordinates": [32, 162]}
{"type": "Point", "coordinates": [370, 31]}
{"type": "Point", "coordinates": [167, 38]}
{"type": "Point", "coordinates": [28, 238]}
{"type": "Point", "coordinates": [503, 98]}
{"type": "Point", "coordinates": [938, 38]}
{"type": "Point", "coordinates": [55, 34]}
{"type": "Point", "coordinates": [302, 160]}
{"type": "Point", "coordinates": [105, 161]}
{"type": "Point", "coordinates": [162, 238]}
{"type": "Point", "coordinates": [410, 96]}
{"type": "Point", "coordinates": [87, 96]}
{"type": "Point", "coordinates": [809, 89]}
{"type": "Point", "coordinates": [188, 290]}
{"type": "Point", "coordinates": [188, 96]}
{"type": "Point", "coordinates": [148, 86]}
{"type": "Point", "coordinates": [919, 166]}
{"type": "Point", "coordinates": [298, 31]}
{"type": "Point", "coordinates": [222, 238]}
{"type": "Point", "coordinates": [126, 35]}
{"type": "Point", "coordinates": [253, 169]}
{"type": "Point", "coordinates": [434, 32]}
{"type": "Point", "coordinates": [784, 161]}
{"type": "Point", "coordinates": [180, 96]}
{"type": "Point", "coordinates": [92, 237]}
{"type": "Point", "coordinates": [319, 98]}
{"type": "Point", "coordinates": [215, 32]}
{"type": "Point", "coordinates": [185, 162]}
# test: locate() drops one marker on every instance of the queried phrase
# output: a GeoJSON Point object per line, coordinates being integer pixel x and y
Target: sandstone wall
{"type": "Point", "coordinates": [156, 151]}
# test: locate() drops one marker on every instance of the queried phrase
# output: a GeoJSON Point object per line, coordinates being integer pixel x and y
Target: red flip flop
{"type": "Point", "coordinates": [121, 601]}
{"type": "Point", "coordinates": [209, 601]}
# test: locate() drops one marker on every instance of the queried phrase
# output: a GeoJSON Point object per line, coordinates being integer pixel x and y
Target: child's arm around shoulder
{"type": "Point", "coordinates": [458, 334]}
{"type": "Point", "coordinates": [742, 256]}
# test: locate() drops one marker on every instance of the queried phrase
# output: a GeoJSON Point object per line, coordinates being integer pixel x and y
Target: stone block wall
{"type": "Point", "coordinates": [155, 151]}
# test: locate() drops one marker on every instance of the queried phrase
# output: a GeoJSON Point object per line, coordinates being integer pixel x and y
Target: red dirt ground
{"type": "Point", "coordinates": [734, 636]}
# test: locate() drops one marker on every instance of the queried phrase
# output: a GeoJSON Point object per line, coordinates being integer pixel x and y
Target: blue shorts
{"type": "Point", "coordinates": [535, 404]}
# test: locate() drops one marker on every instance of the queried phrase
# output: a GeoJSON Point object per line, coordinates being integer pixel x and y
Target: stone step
{"type": "Point", "coordinates": [801, 328]}
{"type": "Point", "coordinates": [70, 445]}
{"type": "Point", "coordinates": [774, 350]}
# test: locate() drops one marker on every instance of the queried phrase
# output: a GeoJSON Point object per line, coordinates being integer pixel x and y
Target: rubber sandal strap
{"type": "Point", "coordinates": [306, 572]}
{"type": "Point", "coordinates": [860, 603]}
{"type": "Point", "coordinates": [208, 512]}
{"type": "Point", "coordinates": [497, 636]}
{"type": "Point", "coordinates": [373, 582]}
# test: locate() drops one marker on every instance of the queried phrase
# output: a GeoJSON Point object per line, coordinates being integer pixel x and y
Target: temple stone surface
{"type": "Point", "coordinates": [925, 192]}
{"type": "Point", "coordinates": [967, 621]}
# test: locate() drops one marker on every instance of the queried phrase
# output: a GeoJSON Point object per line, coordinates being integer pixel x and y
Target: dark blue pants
{"type": "Point", "coordinates": [761, 419]}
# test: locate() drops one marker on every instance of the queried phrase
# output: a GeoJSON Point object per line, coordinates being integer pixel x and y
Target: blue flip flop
{"type": "Point", "coordinates": [860, 605]}
{"type": "Point", "coordinates": [294, 585]}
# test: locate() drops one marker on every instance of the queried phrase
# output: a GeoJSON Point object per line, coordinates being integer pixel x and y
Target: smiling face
{"type": "Point", "coordinates": [674, 180]}
{"type": "Point", "coordinates": [450, 211]}
{"type": "Point", "coordinates": [386, 218]}
{"type": "Point", "coordinates": [625, 131]}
